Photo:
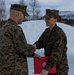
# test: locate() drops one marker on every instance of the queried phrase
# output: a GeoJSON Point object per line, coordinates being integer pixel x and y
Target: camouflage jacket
{"type": "Point", "coordinates": [13, 50]}
{"type": "Point", "coordinates": [54, 43]}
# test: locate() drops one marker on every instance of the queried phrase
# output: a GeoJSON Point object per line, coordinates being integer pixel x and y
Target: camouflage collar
{"type": "Point", "coordinates": [10, 20]}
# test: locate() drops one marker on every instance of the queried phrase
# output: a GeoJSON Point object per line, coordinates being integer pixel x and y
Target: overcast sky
{"type": "Point", "coordinates": [67, 5]}
{"type": "Point", "coordinates": [62, 5]}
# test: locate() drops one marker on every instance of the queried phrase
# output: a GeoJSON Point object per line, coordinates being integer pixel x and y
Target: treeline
{"type": "Point", "coordinates": [68, 21]}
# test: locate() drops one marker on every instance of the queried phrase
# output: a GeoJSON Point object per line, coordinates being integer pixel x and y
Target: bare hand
{"type": "Point", "coordinates": [44, 72]}
{"type": "Point", "coordinates": [36, 55]}
{"type": "Point", "coordinates": [34, 46]}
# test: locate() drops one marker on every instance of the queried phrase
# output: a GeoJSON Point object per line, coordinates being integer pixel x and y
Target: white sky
{"type": "Point", "coordinates": [66, 5]}
{"type": "Point", "coordinates": [62, 5]}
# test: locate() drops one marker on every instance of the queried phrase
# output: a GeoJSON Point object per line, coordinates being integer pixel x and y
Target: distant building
{"type": "Point", "coordinates": [2, 10]}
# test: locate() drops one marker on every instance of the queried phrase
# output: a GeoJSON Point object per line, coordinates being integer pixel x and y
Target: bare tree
{"type": "Point", "coordinates": [2, 10]}
{"type": "Point", "coordinates": [34, 8]}
{"type": "Point", "coordinates": [37, 13]}
{"type": "Point", "coordinates": [21, 2]}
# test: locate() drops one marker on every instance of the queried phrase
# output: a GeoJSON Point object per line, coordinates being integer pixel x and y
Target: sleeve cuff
{"type": "Point", "coordinates": [33, 54]}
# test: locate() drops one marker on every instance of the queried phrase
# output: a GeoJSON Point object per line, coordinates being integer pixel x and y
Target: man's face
{"type": "Point", "coordinates": [21, 18]}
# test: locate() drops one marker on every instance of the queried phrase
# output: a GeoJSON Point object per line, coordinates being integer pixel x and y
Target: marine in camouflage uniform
{"type": "Point", "coordinates": [13, 49]}
{"type": "Point", "coordinates": [54, 42]}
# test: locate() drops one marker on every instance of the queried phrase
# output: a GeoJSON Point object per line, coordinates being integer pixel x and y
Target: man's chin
{"type": "Point", "coordinates": [20, 23]}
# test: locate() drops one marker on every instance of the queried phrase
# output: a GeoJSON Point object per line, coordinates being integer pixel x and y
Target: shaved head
{"type": "Point", "coordinates": [13, 12]}
{"type": "Point", "coordinates": [17, 16]}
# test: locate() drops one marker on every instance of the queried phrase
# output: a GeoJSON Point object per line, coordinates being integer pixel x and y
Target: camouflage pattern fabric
{"type": "Point", "coordinates": [21, 8]}
{"type": "Point", "coordinates": [54, 43]}
{"type": "Point", "coordinates": [13, 50]}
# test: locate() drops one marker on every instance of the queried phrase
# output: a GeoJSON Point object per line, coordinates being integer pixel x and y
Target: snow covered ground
{"type": "Point", "coordinates": [33, 30]}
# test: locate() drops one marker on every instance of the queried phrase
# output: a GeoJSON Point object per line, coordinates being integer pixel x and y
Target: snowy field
{"type": "Point", "coordinates": [33, 30]}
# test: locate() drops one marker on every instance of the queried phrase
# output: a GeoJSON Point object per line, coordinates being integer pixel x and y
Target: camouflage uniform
{"type": "Point", "coordinates": [13, 50]}
{"type": "Point", "coordinates": [54, 43]}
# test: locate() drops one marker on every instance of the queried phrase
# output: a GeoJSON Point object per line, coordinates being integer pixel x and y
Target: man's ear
{"type": "Point", "coordinates": [56, 19]}
{"type": "Point", "coordinates": [17, 14]}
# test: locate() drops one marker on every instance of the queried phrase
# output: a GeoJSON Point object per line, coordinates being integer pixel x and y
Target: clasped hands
{"type": "Point", "coordinates": [43, 72]}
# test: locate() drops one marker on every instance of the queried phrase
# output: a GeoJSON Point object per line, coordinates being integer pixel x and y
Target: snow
{"type": "Point", "coordinates": [32, 31]}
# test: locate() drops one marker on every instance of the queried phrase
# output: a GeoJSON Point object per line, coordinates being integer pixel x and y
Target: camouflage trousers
{"type": "Point", "coordinates": [13, 73]}
{"type": "Point", "coordinates": [18, 68]}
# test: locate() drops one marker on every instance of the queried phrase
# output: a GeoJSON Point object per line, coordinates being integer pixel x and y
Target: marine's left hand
{"type": "Point", "coordinates": [34, 45]}
{"type": "Point", "coordinates": [36, 55]}
{"type": "Point", "coordinates": [44, 72]}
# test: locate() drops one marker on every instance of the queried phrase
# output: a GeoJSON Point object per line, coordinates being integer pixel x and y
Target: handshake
{"type": "Point", "coordinates": [34, 54]}
{"type": "Point", "coordinates": [35, 47]}
{"type": "Point", "coordinates": [43, 72]}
